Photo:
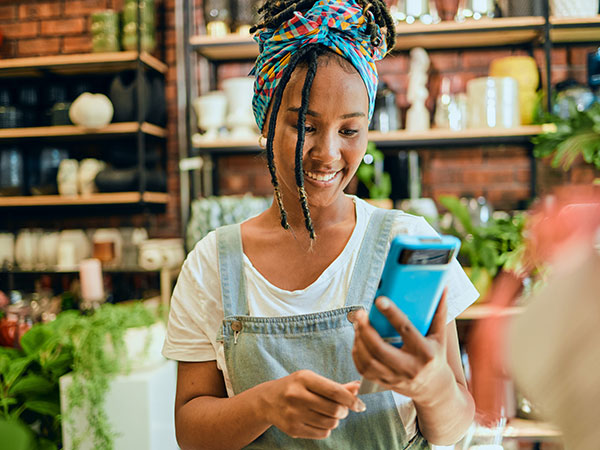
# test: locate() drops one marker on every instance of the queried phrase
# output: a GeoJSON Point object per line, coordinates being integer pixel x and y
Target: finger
{"type": "Point", "coordinates": [352, 387]}
{"type": "Point", "coordinates": [317, 420]}
{"type": "Point", "coordinates": [331, 390]}
{"type": "Point", "coordinates": [303, 431]}
{"type": "Point", "coordinates": [438, 324]}
{"type": "Point", "coordinates": [411, 337]}
{"type": "Point", "coordinates": [366, 364]}
{"type": "Point", "coordinates": [326, 407]}
{"type": "Point", "coordinates": [399, 361]}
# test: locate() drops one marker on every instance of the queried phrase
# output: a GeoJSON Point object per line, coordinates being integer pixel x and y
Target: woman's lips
{"type": "Point", "coordinates": [323, 177]}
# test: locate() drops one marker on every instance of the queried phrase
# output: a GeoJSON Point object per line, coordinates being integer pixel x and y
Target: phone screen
{"type": "Point", "coordinates": [424, 257]}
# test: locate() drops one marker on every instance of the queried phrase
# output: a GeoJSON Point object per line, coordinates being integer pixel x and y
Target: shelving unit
{"type": "Point", "coordinates": [116, 198]}
{"type": "Point", "coordinates": [483, 311]}
{"type": "Point", "coordinates": [86, 63]}
{"type": "Point", "coordinates": [401, 139]}
{"type": "Point", "coordinates": [65, 131]}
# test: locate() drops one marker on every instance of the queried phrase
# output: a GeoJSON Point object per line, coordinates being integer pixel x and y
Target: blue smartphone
{"type": "Point", "coordinates": [414, 277]}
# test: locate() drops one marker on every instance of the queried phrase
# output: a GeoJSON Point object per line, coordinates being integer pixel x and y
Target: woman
{"type": "Point", "coordinates": [264, 313]}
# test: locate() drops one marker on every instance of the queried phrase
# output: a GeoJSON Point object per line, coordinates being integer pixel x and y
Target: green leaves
{"type": "Point", "coordinates": [43, 407]}
{"type": "Point", "coordinates": [31, 384]}
{"type": "Point", "coordinates": [577, 135]}
{"type": "Point", "coordinates": [488, 247]}
{"type": "Point", "coordinates": [371, 174]}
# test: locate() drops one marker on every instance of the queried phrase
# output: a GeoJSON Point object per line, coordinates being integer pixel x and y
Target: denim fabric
{"type": "Point", "coordinates": [259, 349]}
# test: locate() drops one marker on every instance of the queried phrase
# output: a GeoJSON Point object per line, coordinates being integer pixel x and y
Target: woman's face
{"type": "Point", "coordinates": [335, 134]}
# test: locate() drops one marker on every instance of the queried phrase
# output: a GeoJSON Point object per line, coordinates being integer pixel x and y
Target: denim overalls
{"type": "Point", "coordinates": [259, 349]}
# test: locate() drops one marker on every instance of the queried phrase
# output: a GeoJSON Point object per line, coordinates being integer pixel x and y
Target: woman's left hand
{"type": "Point", "coordinates": [419, 369]}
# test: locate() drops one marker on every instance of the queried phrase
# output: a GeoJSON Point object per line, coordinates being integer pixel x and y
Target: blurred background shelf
{"type": "Point", "coordinates": [448, 34]}
{"type": "Point", "coordinates": [113, 129]}
{"type": "Point", "coordinates": [402, 139]}
{"type": "Point", "coordinates": [93, 199]}
{"type": "Point", "coordinates": [482, 311]}
{"type": "Point", "coordinates": [531, 430]}
{"type": "Point", "coordinates": [575, 29]}
{"type": "Point", "coordinates": [78, 64]}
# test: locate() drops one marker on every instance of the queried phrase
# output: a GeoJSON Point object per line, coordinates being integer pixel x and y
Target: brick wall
{"type": "Point", "coordinates": [51, 27]}
{"type": "Point", "coordinates": [501, 173]}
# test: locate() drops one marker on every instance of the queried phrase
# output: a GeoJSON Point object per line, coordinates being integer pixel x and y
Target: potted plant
{"type": "Point", "coordinates": [91, 348]}
{"type": "Point", "coordinates": [578, 134]}
{"type": "Point", "coordinates": [485, 249]}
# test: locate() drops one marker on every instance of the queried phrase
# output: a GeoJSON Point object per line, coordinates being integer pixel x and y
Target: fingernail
{"type": "Point", "coordinates": [359, 406]}
{"type": "Point", "coordinates": [383, 303]}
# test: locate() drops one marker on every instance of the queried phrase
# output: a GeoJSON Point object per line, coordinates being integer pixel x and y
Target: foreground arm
{"type": "Point", "coordinates": [426, 369]}
{"type": "Point", "coordinates": [302, 404]}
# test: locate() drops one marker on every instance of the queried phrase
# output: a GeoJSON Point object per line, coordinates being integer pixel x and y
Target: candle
{"type": "Point", "coordinates": [90, 275]}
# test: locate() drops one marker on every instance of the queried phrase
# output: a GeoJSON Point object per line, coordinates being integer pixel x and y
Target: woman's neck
{"type": "Point", "coordinates": [322, 217]}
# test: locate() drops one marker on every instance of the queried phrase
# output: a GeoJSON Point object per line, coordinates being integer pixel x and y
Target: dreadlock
{"type": "Point", "coordinates": [274, 14]}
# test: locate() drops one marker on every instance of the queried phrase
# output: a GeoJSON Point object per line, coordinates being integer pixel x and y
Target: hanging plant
{"type": "Point", "coordinates": [579, 134]}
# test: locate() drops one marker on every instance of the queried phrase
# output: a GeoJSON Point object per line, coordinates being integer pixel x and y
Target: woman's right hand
{"type": "Point", "coordinates": [307, 405]}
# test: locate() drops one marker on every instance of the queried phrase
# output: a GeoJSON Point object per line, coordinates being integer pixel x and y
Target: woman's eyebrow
{"type": "Point", "coordinates": [316, 114]}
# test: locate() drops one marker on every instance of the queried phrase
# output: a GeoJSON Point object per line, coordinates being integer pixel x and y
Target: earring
{"type": "Point", "coordinates": [262, 141]}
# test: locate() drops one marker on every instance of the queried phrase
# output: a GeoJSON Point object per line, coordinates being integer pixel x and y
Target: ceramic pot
{"type": "Point", "coordinates": [240, 117]}
{"type": "Point", "coordinates": [48, 249]}
{"type": "Point", "coordinates": [108, 238]}
{"type": "Point", "coordinates": [73, 247]}
{"type": "Point", "coordinates": [91, 110]}
{"type": "Point", "coordinates": [67, 177]}
{"type": "Point", "coordinates": [26, 249]}
{"type": "Point", "coordinates": [211, 111]}
{"type": "Point", "coordinates": [7, 249]}
{"type": "Point", "coordinates": [524, 69]}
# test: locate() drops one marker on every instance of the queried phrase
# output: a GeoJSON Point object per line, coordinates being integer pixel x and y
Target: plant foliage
{"type": "Point", "coordinates": [577, 135]}
{"type": "Point", "coordinates": [92, 347]}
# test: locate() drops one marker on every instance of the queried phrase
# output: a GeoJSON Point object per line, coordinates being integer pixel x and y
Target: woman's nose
{"type": "Point", "coordinates": [326, 148]}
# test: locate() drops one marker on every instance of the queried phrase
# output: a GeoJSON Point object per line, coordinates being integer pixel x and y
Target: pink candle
{"type": "Point", "coordinates": [90, 275]}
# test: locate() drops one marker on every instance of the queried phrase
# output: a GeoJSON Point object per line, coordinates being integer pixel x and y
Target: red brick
{"type": "Point", "coordinates": [40, 10]}
{"type": "Point", "coordinates": [473, 59]}
{"type": "Point", "coordinates": [20, 30]}
{"type": "Point", "coordinates": [77, 44]}
{"type": "Point", "coordinates": [444, 61]}
{"type": "Point", "coordinates": [234, 183]}
{"type": "Point", "coordinates": [522, 175]}
{"type": "Point", "coordinates": [578, 55]}
{"type": "Point", "coordinates": [8, 12]}
{"type": "Point", "coordinates": [392, 64]}
{"type": "Point", "coordinates": [40, 46]}
{"type": "Point", "coordinates": [83, 7]}
{"type": "Point", "coordinates": [64, 26]}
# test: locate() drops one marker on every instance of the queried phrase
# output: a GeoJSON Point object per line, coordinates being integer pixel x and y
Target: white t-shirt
{"type": "Point", "coordinates": [197, 310]}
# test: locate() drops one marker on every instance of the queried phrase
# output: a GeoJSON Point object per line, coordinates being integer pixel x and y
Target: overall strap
{"type": "Point", "coordinates": [233, 286]}
{"type": "Point", "coordinates": [371, 257]}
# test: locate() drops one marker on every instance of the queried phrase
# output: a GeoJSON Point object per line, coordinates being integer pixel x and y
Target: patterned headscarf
{"type": "Point", "coordinates": [337, 24]}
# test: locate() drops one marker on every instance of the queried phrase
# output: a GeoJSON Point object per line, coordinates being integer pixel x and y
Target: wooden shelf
{"type": "Point", "coordinates": [575, 29]}
{"type": "Point", "coordinates": [504, 31]}
{"type": "Point", "coordinates": [113, 129]}
{"type": "Point", "coordinates": [531, 430]}
{"type": "Point", "coordinates": [483, 311]}
{"type": "Point", "coordinates": [77, 64]}
{"type": "Point", "coordinates": [115, 198]}
{"type": "Point", "coordinates": [471, 33]}
{"type": "Point", "coordinates": [403, 139]}
{"type": "Point", "coordinates": [448, 34]}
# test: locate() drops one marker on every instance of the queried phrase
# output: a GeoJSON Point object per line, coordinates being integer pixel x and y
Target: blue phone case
{"type": "Point", "coordinates": [416, 288]}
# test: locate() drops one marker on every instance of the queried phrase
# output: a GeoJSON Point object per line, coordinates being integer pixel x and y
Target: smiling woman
{"type": "Point", "coordinates": [272, 341]}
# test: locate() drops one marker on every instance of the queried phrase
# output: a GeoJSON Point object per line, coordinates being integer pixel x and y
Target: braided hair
{"type": "Point", "coordinates": [276, 12]}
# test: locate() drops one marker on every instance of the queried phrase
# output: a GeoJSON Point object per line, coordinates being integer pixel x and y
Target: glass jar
{"type": "Point", "coordinates": [105, 31]}
{"type": "Point", "coordinates": [147, 27]}
{"type": "Point", "coordinates": [217, 17]}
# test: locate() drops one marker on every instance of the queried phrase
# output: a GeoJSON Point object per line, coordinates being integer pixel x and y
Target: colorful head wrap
{"type": "Point", "coordinates": [337, 24]}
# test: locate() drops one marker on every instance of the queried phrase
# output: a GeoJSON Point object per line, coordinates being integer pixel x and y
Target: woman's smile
{"type": "Point", "coordinates": [321, 178]}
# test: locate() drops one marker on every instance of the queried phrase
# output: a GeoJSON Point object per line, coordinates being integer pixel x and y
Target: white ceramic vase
{"type": "Point", "coordinates": [493, 102]}
{"type": "Point", "coordinates": [211, 110]}
{"type": "Point", "coordinates": [240, 118]}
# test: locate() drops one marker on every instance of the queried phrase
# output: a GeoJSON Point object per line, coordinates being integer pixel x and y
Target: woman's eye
{"type": "Point", "coordinates": [349, 132]}
{"type": "Point", "coordinates": [307, 129]}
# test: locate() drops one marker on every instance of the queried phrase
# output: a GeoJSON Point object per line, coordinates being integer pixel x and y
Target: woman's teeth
{"type": "Point", "coordinates": [320, 177]}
